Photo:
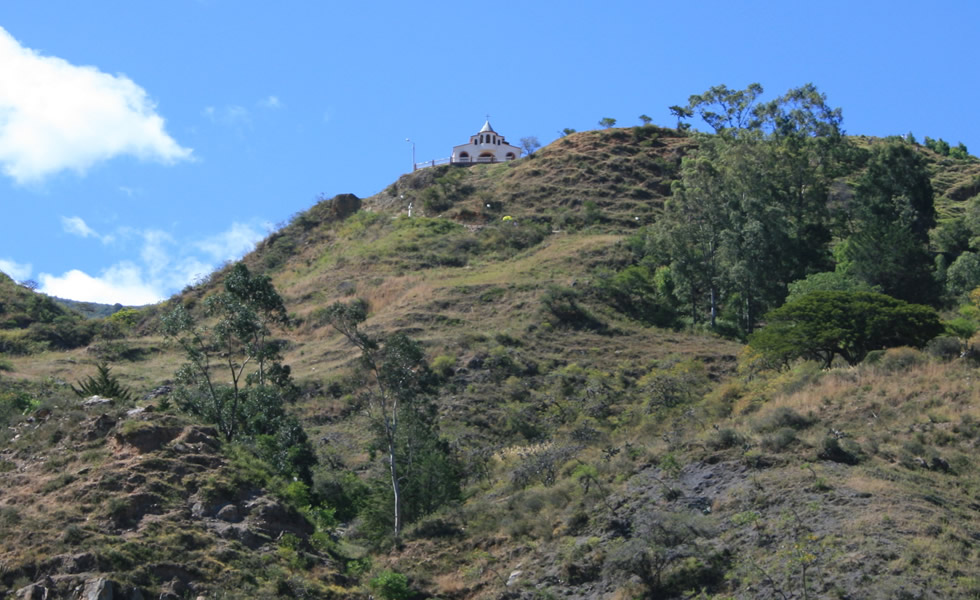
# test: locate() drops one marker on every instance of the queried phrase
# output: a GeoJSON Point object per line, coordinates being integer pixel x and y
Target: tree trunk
{"type": "Point", "coordinates": [714, 306]}
{"type": "Point", "coordinates": [395, 488]}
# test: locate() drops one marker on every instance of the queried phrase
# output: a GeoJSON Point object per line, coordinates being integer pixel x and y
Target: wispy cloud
{"type": "Point", "coordinates": [129, 191]}
{"type": "Point", "coordinates": [231, 115]}
{"type": "Point", "coordinates": [165, 265]}
{"type": "Point", "coordinates": [57, 116]}
{"type": "Point", "coordinates": [78, 226]}
{"type": "Point", "coordinates": [233, 243]}
{"type": "Point", "coordinates": [15, 270]}
{"type": "Point", "coordinates": [271, 102]}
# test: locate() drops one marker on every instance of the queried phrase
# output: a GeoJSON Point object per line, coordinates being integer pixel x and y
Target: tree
{"type": "Point", "coordinates": [896, 188]}
{"type": "Point", "coordinates": [725, 110]}
{"type": "Point", "coordinates": [607, 122]}
{"type": "Point", "coordinates": [529, 144]}
{"type": "Point", "coordinates": [420, 472]}
{"type": "Point", "coordinates": [754, 198]}
{"type": "Point", "coordinates": [890, 219]}
{"type": "Point", "coordinates": [236, 341]}
{"type": "Point", "coordinates": [963, 275]}
{"type": "Point", "coordinates": [566, 131]}
{"type": "Point", "coordinates": [681, 112]}
{"type": "Point", "coordinates": [645, 119]}
{"type": "Point", "coordinates": [822, 325]}
{"type": "Point", "coordinates": [827, 281]}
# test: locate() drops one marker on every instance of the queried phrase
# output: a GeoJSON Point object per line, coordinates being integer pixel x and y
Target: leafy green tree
{"type": "Point", "coordinates": [939, 146]}
{"type": "Point", "coordinates": [641, 291]}
{"type": "Point", "coordinates": [645, 119]}
{"type": "Point", "coordinates": [963, 275]}
{"type": "Point", "coordinates": [959, 152]}
{"type": "Point", "coordinates": [749, 213]}
{"type": "Point", "coordinates": [566, 131]}
{"type": "Point", "coordinates": [421, 473]}
{"type": "Point", "coordinates": [681, 112]}
{"type": "Point", "coordinates": [725, 110]}
{"type": "Point", "coordinates": [891, 216]}
{"type": "Point", "coordinates": [896, 188]}
{"type": "Point", "coordinates": [692, 226]}
{"type": "Point", "coordinates": [827, 281]}
{"type": "Point", "coordinates": [822, 325]}
{"type": "Point", "coordinates": [234, 344]}
{"type": "Point", "coordinates": [607, 122]}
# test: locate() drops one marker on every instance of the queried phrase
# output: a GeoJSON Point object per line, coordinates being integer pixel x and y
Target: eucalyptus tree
{"type": "Point", "coordinates": [234, 376]}
{"type": "Point", "coordinates": [421, 474]}
{"type": "Point", "coordinates": [752, 201]}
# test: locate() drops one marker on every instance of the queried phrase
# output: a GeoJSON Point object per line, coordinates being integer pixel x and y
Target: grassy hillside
{"type": "Point", "coordinates": [600, 454]}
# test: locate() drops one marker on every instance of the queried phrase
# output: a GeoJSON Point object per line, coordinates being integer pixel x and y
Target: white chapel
{"type": "Point", "coordinates": [487, 146]}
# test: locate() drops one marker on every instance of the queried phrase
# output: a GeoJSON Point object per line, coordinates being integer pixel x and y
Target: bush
{"type": "Point", "coordinates": [443, 366]}
{"type": "Point", "coordinates": [103, 384]}
{"type": "Point", "coordinates": [563, 304]}
{"type": "Point", "coordinates": [779, 440]}
{"type": "Point", "coordinates": [511, 236]}
{"type": "Point", "coordinates": [900, 359]}
{"type": "Point", "coordinates": [389, 585]}
{"type": "Point", "coordinates": [845, 452]}
{"type": "Point", "coordinates": [724, 438]}
{"type": "Point", "coordinates": [14, 403]}
{"type": "Point", "coordinates": [783, 417]}
{"type": "Point", "coordinates": [945, 347]}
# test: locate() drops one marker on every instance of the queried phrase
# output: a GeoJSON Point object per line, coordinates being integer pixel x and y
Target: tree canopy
{"type": "Point", "coordinates": [824, 324]}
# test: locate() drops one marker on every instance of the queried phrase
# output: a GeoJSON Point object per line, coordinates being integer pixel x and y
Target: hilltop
{"type": "Point", "coordinates": [605, 442]}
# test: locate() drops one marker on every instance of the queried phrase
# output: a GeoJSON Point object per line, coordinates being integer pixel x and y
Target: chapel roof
{"type": "Point", "coordinates": [487, 128]}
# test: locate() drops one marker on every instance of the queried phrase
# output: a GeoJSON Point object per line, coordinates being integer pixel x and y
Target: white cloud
{"type": "Point", "coordinates": [15, 270]}
{"type": "Point", "coordinates": [165, 266]}
{"type": "Point", "coordinates": [271, 102]}
{"type": "Point", "coordinates": [56, 116]}
{"type": "Point", "coordinates": [78, 226]}
{"type": "Point", "coordinates": [231, 244]}
{"type": "Point", "coordinates": [123, 283]}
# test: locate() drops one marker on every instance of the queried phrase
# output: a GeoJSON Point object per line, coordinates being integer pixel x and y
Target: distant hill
{"type": "Point", "coordinates": [91, 310]}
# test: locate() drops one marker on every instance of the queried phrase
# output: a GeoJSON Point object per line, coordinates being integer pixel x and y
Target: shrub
{"type": "Point", "coordinates": [563, 304]}
{"type": "Point", "coordinates": [846, 452]}
{"type": "Point", "coordinates": [103, 384]}
{"type": "Point", "coordinates": [779, 440]}
{"type": "Point", "coordinates": [389, 585]}
{"type": "Point", "coordinates": [724, 438]}
{"type": "Point", "coordinates": [901, 359]}
{"type": "Point", "coordinates": [443, 365]}
{"type": "Point", "coordinates": [783, 417]}
{"type": "Point", "coordinates": [944, 347]}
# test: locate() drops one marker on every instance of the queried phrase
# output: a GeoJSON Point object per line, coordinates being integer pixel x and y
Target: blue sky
{"type": "Point", "coordinates": [144, 143]}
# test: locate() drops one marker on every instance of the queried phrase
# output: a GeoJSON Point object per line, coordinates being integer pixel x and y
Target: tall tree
{"type": "Point", "coordinates": [399, 384]}
{"type": "Point", "coordinates": [892, 214]}
{"type": "Point", "coordinates": [771, 165]}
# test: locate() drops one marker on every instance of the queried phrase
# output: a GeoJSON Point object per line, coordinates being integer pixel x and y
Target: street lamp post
{"type": "Point", "coordinates": [413, 152]}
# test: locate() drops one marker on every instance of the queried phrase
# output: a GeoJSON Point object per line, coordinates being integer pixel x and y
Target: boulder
{"type": "Point", "coordinates": [99, 588]}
